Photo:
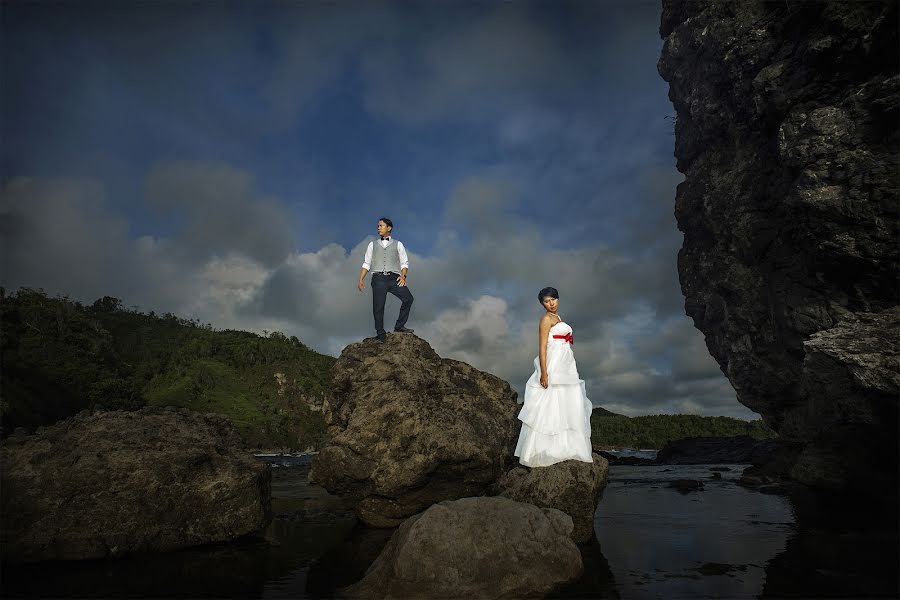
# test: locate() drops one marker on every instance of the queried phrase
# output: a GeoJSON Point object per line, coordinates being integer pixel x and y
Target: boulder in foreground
{"type": "Point", "coordinates": [571, 486]}
{"type": "Point", "coordinates": [104, 484]}
{"type": "Point", "coordinates": [486, 547]}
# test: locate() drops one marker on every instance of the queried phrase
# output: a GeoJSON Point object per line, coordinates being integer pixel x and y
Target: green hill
{"type": "Point", "coordinates": [654, 431]}
{"type": "Point", "coordinates": [602, 412]}
{"type": "Point", "coordinates": [60, 357]}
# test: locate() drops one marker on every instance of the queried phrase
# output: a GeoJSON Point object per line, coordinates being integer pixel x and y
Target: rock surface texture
{"type": "Point", "coordinates": [571, 486]}
{"type": "Point", "coordinates": [486, 548]}
{"type": "Point", "coordinates": [409, 429]}
{"type": "Point", "coordinates": [103, 484]}
{"type": "Point", "coordinates": [787, 133]}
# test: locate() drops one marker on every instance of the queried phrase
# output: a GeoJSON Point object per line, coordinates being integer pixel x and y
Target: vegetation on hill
{"type": "Point", "coordinates": [654, 431]}
{"type": "Point", "coordinates": [60, 357]}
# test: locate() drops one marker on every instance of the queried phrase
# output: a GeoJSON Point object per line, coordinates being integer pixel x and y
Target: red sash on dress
{"type": "Point", "coordinates": [568, 337]}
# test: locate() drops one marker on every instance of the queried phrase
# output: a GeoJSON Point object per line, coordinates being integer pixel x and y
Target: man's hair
{"type": "Point", "coordinates": [388, 222]}
{"type": "Point", "coordinates": [547, 291]}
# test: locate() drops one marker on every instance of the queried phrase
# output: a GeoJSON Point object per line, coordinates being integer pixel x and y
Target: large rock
{"type": "Point", "coordinates": [487, 547]}
{"type": "Point", "coordinates": [105, 484]}
{"type": "Point", "coordinates": [571, 486]}
{"type": "Point", "coordinates": [787, 133]}
{"type": "Point", "coordinates": [852, 375]}
{"type": "Point", "coordinates": [409, 429]}
{"type": "Point", "coordinates": [738, 449]}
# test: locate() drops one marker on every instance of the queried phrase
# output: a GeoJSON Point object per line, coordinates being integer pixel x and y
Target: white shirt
{"type": "Point", "coordinates": [404, 259]}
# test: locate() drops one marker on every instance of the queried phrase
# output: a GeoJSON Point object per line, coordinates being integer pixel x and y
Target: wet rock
{"type": "Point", "coordinates": [686, 485]}
{"type": "Point", "coordinates": [571, 486]}
{"type": "Point", "coordinates": [614, 459]}
{"type": "Point", "coordinates": [486, 547]}
{"type": "Point", "coordinates": [105, 484]}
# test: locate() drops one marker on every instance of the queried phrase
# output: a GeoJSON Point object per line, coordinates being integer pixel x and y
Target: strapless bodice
{"type": "Point", "coordinates": [561, 328]}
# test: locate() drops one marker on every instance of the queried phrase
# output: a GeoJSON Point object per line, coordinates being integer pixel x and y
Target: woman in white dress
{"type": "Point", "coordinates": [556, 413]}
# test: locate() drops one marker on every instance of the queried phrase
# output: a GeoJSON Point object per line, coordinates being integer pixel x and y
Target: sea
{"type": "Point", "coordinates": [652, 541]}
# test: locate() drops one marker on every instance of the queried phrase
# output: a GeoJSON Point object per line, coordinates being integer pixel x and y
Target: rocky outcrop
{"type": "Point", "coordinates": [571, 486]}
{"type": "Point", "coordinates": [105, 484]}
{"type": "Point", "coordinates": [615, 459]}
{"type": "Point", "coordinates": [787, 133]}
{"type": "Point", "coordinates": [686, 486]}
{"type": "Point", "coordinates": [487, 547]}
{"type": "Point", "coordinates": [851, 373]}
{"type": "Point", "coordinates": [772, 476]}
{"type": "Point", "coordinates": [409, 429]}
{"type": "Point", "coordinates": [739, 449]}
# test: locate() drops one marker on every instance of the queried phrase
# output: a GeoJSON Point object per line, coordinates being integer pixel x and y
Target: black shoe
{"type": "Point", "coordinates": [381, 337]}
{"type": "Point", "coordinates": [404, 330]}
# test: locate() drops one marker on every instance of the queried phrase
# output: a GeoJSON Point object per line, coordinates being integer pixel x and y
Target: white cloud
{"type": "Point", "coordinates": [476, 300]}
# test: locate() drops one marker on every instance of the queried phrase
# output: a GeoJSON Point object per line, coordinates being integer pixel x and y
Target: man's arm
{"type": "Point", "coordinates": [365, 267]}
{"type": "Point", "coordinates": [404, 263]}
{"type": "Point", "coordinates": [404, 258]}
{"type": "Point", "coordinates": [367, 261]}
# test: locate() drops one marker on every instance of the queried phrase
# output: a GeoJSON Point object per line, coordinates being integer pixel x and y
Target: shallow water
{"type": "Point", "coordinates": [652, 542]}
{"type": "Point", "coordinates": [662, 543]}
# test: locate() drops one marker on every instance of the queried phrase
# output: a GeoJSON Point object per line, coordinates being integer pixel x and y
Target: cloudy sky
{"type": "Point", "coordinates": [228, 161]}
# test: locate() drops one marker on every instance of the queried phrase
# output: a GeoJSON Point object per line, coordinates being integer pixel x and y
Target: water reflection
{"type": "Point", "coordinates": [731, 542]}
{"type": "Point", "coordinates": [652, 542]}
{"type": "Point", "coordinates": [844, 545]}
{"type": "Point", "coordinates": [709, 543]}
{"type": "Point", "coordinates": [597, 580]}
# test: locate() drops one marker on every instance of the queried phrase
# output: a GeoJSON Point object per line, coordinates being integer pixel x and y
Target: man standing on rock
{"type": "Point", "coordinates": [389, 263]}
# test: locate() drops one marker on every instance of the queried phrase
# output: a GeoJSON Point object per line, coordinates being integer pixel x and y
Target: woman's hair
{"type": "Point", "coordinates": [387, 222]}
{"type": "Point", "coordinates": [547, 291]}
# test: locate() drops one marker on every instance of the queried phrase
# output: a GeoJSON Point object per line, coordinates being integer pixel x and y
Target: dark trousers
{"type": "Point", "coordinates": [381, 285]}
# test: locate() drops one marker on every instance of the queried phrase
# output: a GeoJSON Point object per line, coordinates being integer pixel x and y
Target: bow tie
{"type": "Point", "coordinates": [386, 239]}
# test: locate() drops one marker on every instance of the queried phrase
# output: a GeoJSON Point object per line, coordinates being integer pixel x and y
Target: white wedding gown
{"type": "Point", "coordinates": [556, 421]}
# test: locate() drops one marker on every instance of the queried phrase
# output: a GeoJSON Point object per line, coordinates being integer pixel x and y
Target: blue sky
{"type": "Point", "coordinates": [228, 161]}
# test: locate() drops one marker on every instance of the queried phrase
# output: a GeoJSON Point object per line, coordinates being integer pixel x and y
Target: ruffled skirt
{"type": "Point", "coordinates": [556, 421]}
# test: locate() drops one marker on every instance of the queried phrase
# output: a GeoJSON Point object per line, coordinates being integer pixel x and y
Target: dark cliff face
{"type": "Point", "coordinates": [787, 133]}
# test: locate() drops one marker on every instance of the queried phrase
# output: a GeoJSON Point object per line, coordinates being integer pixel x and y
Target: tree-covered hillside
{"type": "Point", "coordinates": [654, 431]}
{"type": "Point", "coordinates": [60, 357]}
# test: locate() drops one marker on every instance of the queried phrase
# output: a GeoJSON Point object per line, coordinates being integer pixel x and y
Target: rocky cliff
{"type": "Point", "coordinates": [787, 133]}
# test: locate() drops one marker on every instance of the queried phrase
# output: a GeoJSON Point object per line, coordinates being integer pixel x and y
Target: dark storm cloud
{"type": "Point", "coordinates": [219, 210]}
